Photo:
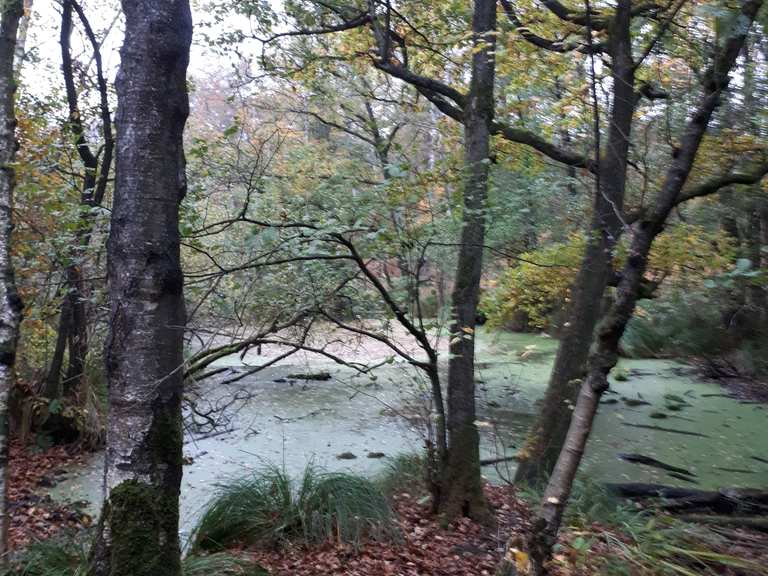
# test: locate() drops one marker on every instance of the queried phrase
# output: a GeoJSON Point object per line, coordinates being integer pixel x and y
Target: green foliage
{"type": "Point", "coordinates": [537, 286]}
{"type": "Point", "coordinates": [660, 545]}
{"type": "Point", "coordinates": [66, 556]}
{"type": "Point", "coordinates": [677, 325]}
{"type": "Point", "coordinates": [69, 556]}
{"type": "Point", "coordinates": [591, 503]}
{"type": "Point", "coordinates": [404, 473]}
{"type": "Point", "coordinates": [641, 542]}
{"type": "Point", "coordinates": [219, 564]}
{"type": "Point", "coordinates": [268, 509]}
{"type": "Point", "coordinates": [540, 284]}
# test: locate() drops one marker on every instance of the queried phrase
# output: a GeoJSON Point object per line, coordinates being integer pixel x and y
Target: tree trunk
{"type": "Point", "coordinates": [605, 353]}
{"type": "Point", "coordinates": [10, 304]}
{"type": "Point", "coordinates": [138, 529]}
{"type": "Point", "coordinates": [78, 332]}
{"type": "Point", "coordinates": [21, 36]}
{"type": "Point", "coordinates": [462, 491]}
{"type": "Point", "coordinates": [73, 322]}
{"type": "Point", "coordinates": [551, 426]}
{"type": "Point", "coordinates": [758, 299]}
{"type": "Point", "coordinates": [52, 386]}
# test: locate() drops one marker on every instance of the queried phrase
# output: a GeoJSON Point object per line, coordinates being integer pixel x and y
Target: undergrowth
{"type": "Point", "coordinates": [405, 472]}
{"type": "Point", "coordinates": [676, 325]}
{"type": "Point", "coordinates": [616, 539]}
{"type": "Point", "coordinates": [268, 509]}
{"type": "Point", "coordinates": [68, 556]}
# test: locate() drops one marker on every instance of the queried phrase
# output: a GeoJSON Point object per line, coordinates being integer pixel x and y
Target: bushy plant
{"type": "Point", "coordinates": [268, 508]}
{"type": "Point", "coordinates": [678, 324]}
{"type": "Point", "coordinates": [539, 285]}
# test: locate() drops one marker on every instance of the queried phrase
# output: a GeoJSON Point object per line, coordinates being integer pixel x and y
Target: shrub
{"type": "Point", "coordinates": [267, 509]}
{"type": "Point", "coordinates": [539, 286]}
{"type": "Point", "coordinates": [675, 325]}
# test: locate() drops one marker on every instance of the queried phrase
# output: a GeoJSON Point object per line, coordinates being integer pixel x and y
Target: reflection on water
{"type": "Point", "coordinates": [292, 422]}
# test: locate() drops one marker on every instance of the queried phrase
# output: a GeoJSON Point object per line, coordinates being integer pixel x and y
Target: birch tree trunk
{"type": "Point", "coordinates": [462, 492]}
{"type": "Point", "coordinates": [10, 304]}
{"type": "Point", "coordinates": [138, 530]}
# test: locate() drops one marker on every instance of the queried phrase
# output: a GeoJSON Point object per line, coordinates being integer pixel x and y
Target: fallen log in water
{"type": "Point", "coordinates": [492, 461]}
{"type": "Point", "coordinates": [648, 461]}
{"type": "Point", "coordinates": [310, 376]}
{"type": "Point", "coordinates": [662, 429]}
{"type": "Point", "coordinates": [744, 501]}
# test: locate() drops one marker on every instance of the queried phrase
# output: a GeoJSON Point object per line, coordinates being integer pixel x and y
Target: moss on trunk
{"type": "Point", "coordinates": [136, 517]}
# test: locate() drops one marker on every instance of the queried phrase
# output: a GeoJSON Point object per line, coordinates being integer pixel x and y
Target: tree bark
{"type": "Point", "coordinates": [551, 426]}
{"type": "Point", "coordinates": [605, 353]}
{"type": "Point", "coordinates": [10, 304]}
{"type": "Point", "coordinates": [138, 529]}
{"type": "Point", "coordinates": [462, 484]}
{"type": "Point", "coordinates": [21, 36]}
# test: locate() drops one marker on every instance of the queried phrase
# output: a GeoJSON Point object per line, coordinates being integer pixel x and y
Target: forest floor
{"type": "Point", "coordinates": [427, 547]}
{"type": "Point", "coordinates": [32, 516]}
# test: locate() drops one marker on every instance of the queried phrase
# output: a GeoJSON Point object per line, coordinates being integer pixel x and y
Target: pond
{"type": "Point", "coordinates": [660, 411]}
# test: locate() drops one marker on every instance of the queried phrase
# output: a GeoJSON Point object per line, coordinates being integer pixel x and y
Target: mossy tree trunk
{"type": "Point", "coordinates": [604, 355]}
{"type": "Point", "coordinates": [11, 12]}
{"type": "Point", "coordinates": [138, 529]}
{"type": "Point", "coordinates": [462, 491]}
{"type": "Point", "coordinates": [549, 430]}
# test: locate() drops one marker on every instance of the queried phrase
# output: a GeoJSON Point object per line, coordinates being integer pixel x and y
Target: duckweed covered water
{"type": "Point", "coordinates": [718, 440]}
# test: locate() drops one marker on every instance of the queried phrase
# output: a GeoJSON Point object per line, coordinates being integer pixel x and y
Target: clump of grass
{"type": "Point", "coordinates": [220, 564]}
{"type": "Point", "coordinates": [641, 541]}
{"type": "Point", "coordinates": [661, 545]}
{"type": "Point", "coordinates": [344, 508]}
{"type": "Point", "coordinates": [258, 508]}
{"type": "Point", "coordinates": [68, 556]}
{"type": "Point", "coordinates": [590, 503]}
{"type": "Point", "coordinates": [268, 509]}
{"type": "Point", "coordinates": [404, 473]}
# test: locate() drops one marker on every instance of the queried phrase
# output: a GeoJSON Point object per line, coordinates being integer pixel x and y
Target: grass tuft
{"type": "Point", "coordinates": [268, 509]}
{"type": "Point", "coordinates": [68, 556]}
{"type": "Point", "coordinates": [404, 473]}
{"type": "Point", "coordinates": [56, 557]}
{"type": "Point", "coordinates": [643, 542]}
{"type": "Point", "coordinates": [220, 564]}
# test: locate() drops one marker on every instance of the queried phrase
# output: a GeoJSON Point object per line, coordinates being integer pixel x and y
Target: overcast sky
{"type": "Point", "coordinates": [104, 15]}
